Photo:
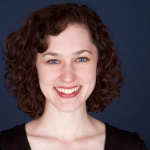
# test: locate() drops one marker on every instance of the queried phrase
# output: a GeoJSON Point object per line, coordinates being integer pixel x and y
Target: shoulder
{"type": "Point", "coordinates": [12, 138]}
{"type": "Point", "coordinates": [121, 139]}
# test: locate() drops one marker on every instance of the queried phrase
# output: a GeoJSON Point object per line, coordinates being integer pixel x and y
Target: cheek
{"type": "Point", "coordinates": [88, 74]}
{"type": "Point", "coordinates": [46, 76]}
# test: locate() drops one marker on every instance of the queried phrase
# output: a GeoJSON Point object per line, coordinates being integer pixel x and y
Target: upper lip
{"type": "Point", "coordinates": [64, 87]}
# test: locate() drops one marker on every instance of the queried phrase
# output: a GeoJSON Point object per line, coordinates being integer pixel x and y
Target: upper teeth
{"type": "Point", "coordinates": [68, 91]}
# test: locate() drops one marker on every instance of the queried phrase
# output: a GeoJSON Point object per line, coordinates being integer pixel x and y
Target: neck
{"type": "Point", "coordinates": [65, 126]}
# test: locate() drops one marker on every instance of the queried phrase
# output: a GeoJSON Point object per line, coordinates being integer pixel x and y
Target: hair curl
{"type": "Point", "coordinates": [22, 46]}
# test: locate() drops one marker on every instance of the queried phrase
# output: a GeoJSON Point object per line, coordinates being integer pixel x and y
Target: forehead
{"type": "Point", "coordinates": [74, 36]}
{"type": "Point", "coordinates": [71, 42]}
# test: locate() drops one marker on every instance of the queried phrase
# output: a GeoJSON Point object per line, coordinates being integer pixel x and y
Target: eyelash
{"type": "Point", "coordinates": [81, 58]}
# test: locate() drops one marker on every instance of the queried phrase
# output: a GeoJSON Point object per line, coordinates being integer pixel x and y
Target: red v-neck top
{"type": "Point", "coordinates": [116, 139]}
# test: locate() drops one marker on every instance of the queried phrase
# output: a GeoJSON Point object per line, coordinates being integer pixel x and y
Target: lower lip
{"type": "Point", "coordinates": [63, 95]}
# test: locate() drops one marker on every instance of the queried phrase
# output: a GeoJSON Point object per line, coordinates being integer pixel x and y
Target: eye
{"type": "Point", "coordinates": [53, 61]}
{"type": "Point", "coordinates": [82, 59]}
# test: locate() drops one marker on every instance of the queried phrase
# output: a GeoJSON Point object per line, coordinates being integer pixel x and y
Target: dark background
{"type": "Point", "coordinates": [128, 22]}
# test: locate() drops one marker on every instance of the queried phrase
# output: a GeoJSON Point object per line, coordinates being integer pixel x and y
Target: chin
{"type": "Point", "coordinates": [70, 107]}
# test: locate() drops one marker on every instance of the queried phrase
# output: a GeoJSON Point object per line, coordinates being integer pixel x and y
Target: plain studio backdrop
{"type": "Point", "coordinates": [128, 22]}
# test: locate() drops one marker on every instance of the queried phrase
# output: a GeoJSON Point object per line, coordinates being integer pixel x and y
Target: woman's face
{"type": "Point", "coordinates": [67, 69]}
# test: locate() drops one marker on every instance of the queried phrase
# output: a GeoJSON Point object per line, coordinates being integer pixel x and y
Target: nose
{"type": "Point", "coordinates": [67, 73]}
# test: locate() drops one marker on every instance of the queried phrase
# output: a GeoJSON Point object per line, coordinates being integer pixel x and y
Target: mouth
{"type": "Point", "coordinates": [68, 92]}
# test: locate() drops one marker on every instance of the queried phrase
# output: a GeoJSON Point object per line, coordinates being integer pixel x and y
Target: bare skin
{"type": "Point", "coordinates": [65, 124]}
{"type": "Point", "coordinates": [92, 139]}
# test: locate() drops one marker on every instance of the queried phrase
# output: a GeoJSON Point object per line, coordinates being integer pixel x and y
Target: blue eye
{"type": "Point", "coordinates": [82, 59]}
{"type": "Point", "coordinates": [53, 61]}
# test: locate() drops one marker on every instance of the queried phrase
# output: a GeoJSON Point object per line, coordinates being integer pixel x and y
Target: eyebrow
{"type": "Point", "coordinates": [58, 55]}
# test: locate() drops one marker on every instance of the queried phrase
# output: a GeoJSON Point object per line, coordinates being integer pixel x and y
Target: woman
{"type": "Point", "coordinates": [60, 64]}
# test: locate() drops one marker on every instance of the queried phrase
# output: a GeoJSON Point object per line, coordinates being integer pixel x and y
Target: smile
{"type": "Point", "coordinates": [67, 92]}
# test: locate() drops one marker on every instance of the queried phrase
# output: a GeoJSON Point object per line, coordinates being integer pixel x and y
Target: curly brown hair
{"type": "Point", "coordinates": [22, 46]}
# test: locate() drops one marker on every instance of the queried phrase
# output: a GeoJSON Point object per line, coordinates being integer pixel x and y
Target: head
{"type": "Point", "coordinates": [24, 46]}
